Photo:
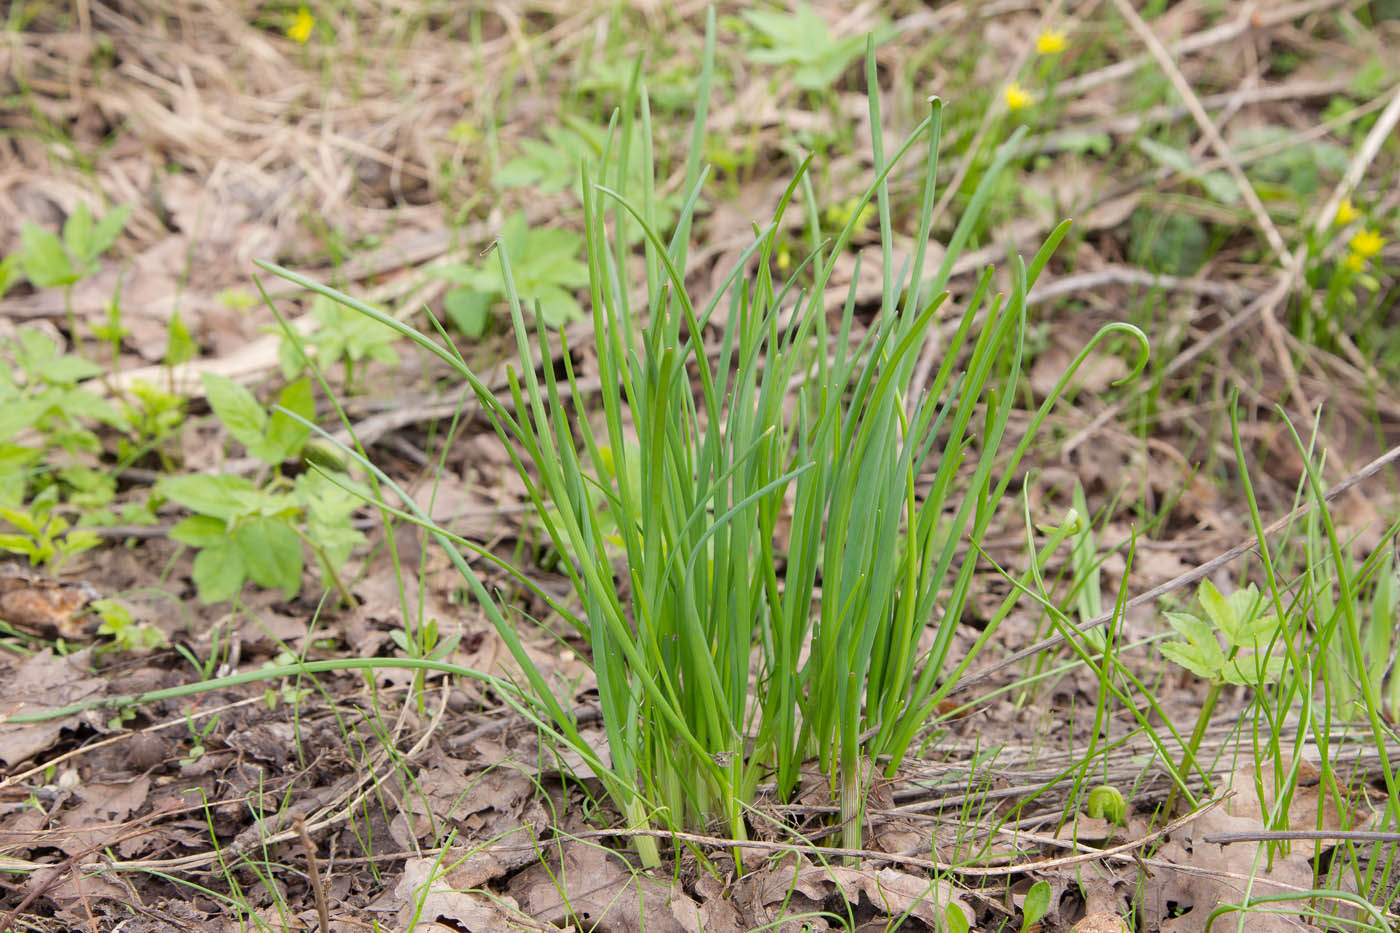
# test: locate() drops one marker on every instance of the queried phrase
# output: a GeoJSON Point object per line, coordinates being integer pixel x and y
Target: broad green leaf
{"type": "Point", "coordinates": [216, 496]}
{"type": "Point", "coordinates": [179, 345]}
{"type": "Point", "coordinates": [470, 276]}
{"type": "Point", "coordinates": [79, 540]}
{"type": "Point", "coordinates": [21, 519]}
{"type": "Point", "coordinates": [285, 435]}
{"type": "Point", "coordinates": [557, 306]}
{"type": "Point", "coordinates": [199, 531]}
{"type": "Point", "coordinates": [80, 404]}
{"type": "Point", "coordinates": [236, 408]}
{"type": "Point", "coordinates": [10, 273]}
{"type": "Point", "coordinates": [15, 461]}
{"type": "Point", "coordinates": [77, 234]}
{"type": "Point", "coordinates": [45, 262]}
{"type": "Point", "coordinates": [16, 416]}
{"type": "Point", "coordinates": [469, 310]}
{"type": "Point", "coordinates": [551, 164]}
{"type": "Point", "coordinates": [1036, 905]}
{"type": "Point", "coordinates": [107, 230]}
{"type": "Point", "coordinates": [19, 544]}
{"type": "Point", "coordinates": [1217, 607]}
{"type": "Point", "coordinates": [218, 572]}
{"type": "Point", "coordinates": [69, 370]}
{"type": "Point", "coordinates": [271, 553]}
{"type": "Point", "coordinates": [267, 504]}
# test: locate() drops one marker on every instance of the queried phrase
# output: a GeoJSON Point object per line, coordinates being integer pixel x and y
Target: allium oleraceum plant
{"type": "Point", "coordinates": [733, 650]}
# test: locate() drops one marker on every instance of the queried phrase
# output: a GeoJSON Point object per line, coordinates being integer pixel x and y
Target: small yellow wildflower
{"type": "Point", "coordinates": [1354, 262]}
{"type": "Point", "coordinates": [1017, 96]}
{"type": "Point", "coordinates": [302, 24]}
{"type": "Point", "coordinates": [1366, 243]}
{"type": "Point", "coordinates": [1346, 213]}
{"type": "Point", "coordinates": [1051, 41]}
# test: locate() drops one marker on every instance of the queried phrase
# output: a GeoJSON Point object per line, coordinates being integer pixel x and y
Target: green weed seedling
{"type": "Point", "coordinates": [1035, 906]}
{"type": "Point", "coordinates": [551, 269]}
{"type": "Point", "coordinates": [343, 337]}
{"type": "Point", "coordinates": [1106, 802]}
{"type": "Point", "coordinates": [42, 536]}
{"type": "Point", "coordinates": [49, 261]}
{"type": "Point", "coordinates": [51, 454]}
{"type": "Point", "coordinates": [802, 41]}
{"type": "Point", "coordinates": [1247, 656]}
{"type": "Point", "coordinates": [43, 392]}
{"type": "Point", "coordinates": [288, 692]}
{"type": "Point", "coordinates": [1234, 642]}
{"type": "Point", "coordinates": [249, 531]}
{"type": "Point", "coordinates": [126, 633]}
{"type": "Point", "coordinates": [198, 736]}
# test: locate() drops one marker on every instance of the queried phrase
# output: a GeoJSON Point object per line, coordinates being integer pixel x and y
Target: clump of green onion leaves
{"type": "Point", "coordinates": [797, 521]}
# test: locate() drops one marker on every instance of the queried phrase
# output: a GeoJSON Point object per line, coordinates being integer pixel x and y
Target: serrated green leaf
{"type": "Point", "coordinates": [469, 276]}
{"type": "Point", "coordinates": [1197, 632]}
{"type": "Point", "coordinates": [236, 408]}
{"type": "Point", "coordinates": [1257, 631]}
{"type": "Point", "coordinates": [267, 504]}
{"type": "Point", "coordinates": [1190, 657]}
{"type": "Point", "coordinates": [1217, 608]}
{"type": "Point", "coordinates": [1243, 603]}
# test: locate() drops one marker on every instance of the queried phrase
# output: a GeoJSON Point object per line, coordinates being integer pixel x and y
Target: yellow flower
{"type": "Point", "coordinates": [1366, 243]}
{"type": "Point", "coordinates": [1346, 213]}
{"type": "Point", "coordinates": [1354, 262]}
{"type": "Point", "coordinates": [1051, 41]}
{"type": "Point", "coordinates": [1017, 96]}
{"type": "Point", "coordinates": [302, 24]}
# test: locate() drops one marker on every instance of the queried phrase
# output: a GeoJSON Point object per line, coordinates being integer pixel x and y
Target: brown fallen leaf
{"type": "Point", "coordinates": [44, 682]}
{"type": "Point", "coordinates": [43, 607]}
{"type": "Point", "coordinates": [597, 889]}
{"type": "Point", "coordinates": [430, 895]}
{"type": "Point", "coordinates": [1102, 922]}
{"type": "Point", "coordinates": [1211, 874]}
